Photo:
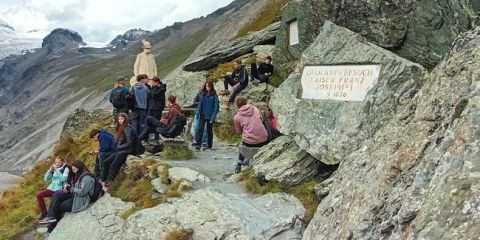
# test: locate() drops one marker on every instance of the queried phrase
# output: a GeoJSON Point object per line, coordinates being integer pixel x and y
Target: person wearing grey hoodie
{"type": "Point", "coordinates": [141, 93]}
{"type": "Point", "coordinates": [73, 198]}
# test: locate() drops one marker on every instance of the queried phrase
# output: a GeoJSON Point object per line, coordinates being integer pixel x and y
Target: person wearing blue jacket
{"type": "Point", "coordinates": [196, 104]}
{"type": "Point", "coordinates": [141, 95]}
{"type": "Point", "coordinates": [209, 106]}
{"type": "Point", "coordinates": [58, 174]}
{"type": "Point", "coordinates": [107, 147]}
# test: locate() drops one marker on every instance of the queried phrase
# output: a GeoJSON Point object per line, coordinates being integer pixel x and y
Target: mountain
{"type": "Point", "coordinates": [12, 42]}
{"type": "Point", "coordinates": [122, 42]}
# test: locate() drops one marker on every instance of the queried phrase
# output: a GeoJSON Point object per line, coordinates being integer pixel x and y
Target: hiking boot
{"type": "Point", "coordinates": [238, 168]}
{"type": "Point", "coordinates": [42, 216]}
{"type": "Point", "coordinates": [47, 219]}
{"type": "Point", "coordinates": [256, 82]}
{"type": "Point", "coordinates": [225, 92]}
{"type": "Point", "coordinates": [246, 162]}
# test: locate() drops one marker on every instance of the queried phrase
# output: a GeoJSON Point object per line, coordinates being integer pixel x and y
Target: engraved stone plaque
{"type": "Point", "coordinates": [293, 37]}
{"type": "Point", "coordinates": [339, 82]}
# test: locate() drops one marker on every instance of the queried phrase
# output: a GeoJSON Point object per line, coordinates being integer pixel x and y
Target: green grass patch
{"type": "Point", "coordinates": [304, 191]}
{"type": "Point", "coordinates": [174, 152]}
{"type": "Point", "coordinates": [226, 132]}
{"type": "Point", "coordinates": [270, 13]}
{"type": "Point", "coordinates": [275, 81]}
{"type": "Point", "coordinates": [179, 233]}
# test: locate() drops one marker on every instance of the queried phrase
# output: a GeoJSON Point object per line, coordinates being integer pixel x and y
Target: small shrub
{"type": "Point", "coordinates": [173, 152]}
{"type": "Point", "coordinates": [179, 234]}
{"type": "Point", "coordinates": [219, 72]}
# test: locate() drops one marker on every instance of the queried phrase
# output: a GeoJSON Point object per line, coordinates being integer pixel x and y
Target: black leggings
{"type": "Point", "coordinates": [112, 165]}
{"type": "Point", "coordinates": [61, 203]}
{"type": "Point", "coordinates": [201, 127]}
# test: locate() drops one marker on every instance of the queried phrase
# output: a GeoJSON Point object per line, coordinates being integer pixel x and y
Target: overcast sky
{"type": "Point", "coordinates": [99, 21]}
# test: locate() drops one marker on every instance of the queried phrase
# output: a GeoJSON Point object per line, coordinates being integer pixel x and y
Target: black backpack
{"type": "Point", "coordinates": [272, 133]}
{"type": "Point", "coordinates": [139, 148]}
{"type": "Point", "coordinates": [118, 98]}
{"type": "Point", "coordinates": [97, 191]}
{"type": "Point", "coordinates": [175, 128]}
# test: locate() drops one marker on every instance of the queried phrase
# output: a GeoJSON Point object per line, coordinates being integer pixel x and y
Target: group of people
{"type": "Point", "coordinates": [138, 113]}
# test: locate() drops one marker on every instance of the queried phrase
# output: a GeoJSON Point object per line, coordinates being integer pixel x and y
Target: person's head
{"type": "Point", "coordinates": [120, 81]}
{"type": "Point", "coordinates": [142, 78]}
{"type": "Point", "coordinates": [241, 101]}
{"type": "Point", "coordinates": [171, 100]}
{"type": "Point", "coordinates": [237, 63]}
{"type": "Point", "coordinates": [121, 125]}
{"type": "Point", "coordinates": [210, 87]}
{"type": "Point", "coordinates": [94, 133]}
{"type": "Point", "coordinates": [268, 60]}
{"type": "Point", "coordinates": [156, 81]}
{"type": "Point", "coordinates": [78, 168]}
{"type": "Point", "coordinates": [58, 161]}
{"type": "Point", "coordinates": [147, 47]}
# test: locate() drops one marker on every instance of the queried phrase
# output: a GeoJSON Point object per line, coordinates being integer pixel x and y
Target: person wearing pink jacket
{"type": "Point", "coordinates": [248, 123]}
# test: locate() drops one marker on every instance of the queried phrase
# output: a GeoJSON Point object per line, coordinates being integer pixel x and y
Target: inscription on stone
{"type": "Point", "coordinates": [293, 37]}
{"type": "Point", "coordinates": [339, 82]}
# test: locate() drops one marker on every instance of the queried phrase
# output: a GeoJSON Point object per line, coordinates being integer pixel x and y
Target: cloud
{"type": "Point", "coordinates": [102, 20]}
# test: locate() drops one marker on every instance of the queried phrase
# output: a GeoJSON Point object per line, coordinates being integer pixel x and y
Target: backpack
{"type": "Point", "coordinates": [118, 98]}
{"type": "Point", "coordinates": [70, 172]}
{"type": "Point", "coordinates": [139, 148]}
{"type": "Point", "coordinates": [97, 189]}
{"type": "Point", "coordinates": [272, 133]}
{"type": "Point", "coordinates": [130, 101]}
{"type": "Point", "coordinates": [175, 128]}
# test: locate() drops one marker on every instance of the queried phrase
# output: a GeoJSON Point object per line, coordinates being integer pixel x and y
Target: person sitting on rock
{"type": "Point", "coordinates": [153, 125]}
{"type": "Point", "coordinates": [106, 147]}
{"type": "Point", "coordinates": [141, 93]}
{"type": "Point", "coordinates": [117, 98]}
{"type": "Point", "coordinates": [73, 198]}
{"type": "Point", "coordinates": [57, 173]}
{"type": "Point", "coordinates": [238, 79]}
{"type": "Point", "coordinates": [209, 106]}
{"type": "Point", "coordinates": [263, 72]}
{"type": "Point", "coordinates": [125, 136]}
{"type": "Point", "coordinates": [196, 105]}
{"type": "Point", "coordinates": [156, 102]}
{"type": "Point", "coordinates": [248, 123]}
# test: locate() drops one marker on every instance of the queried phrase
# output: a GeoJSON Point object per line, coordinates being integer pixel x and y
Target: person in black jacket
{"type": "Point", "coordinates": [238, 79]}
{"type": "Point", "coordinates": [156, 102]}
{"type": "Point", "coordinates": [125, 137]}
{"type": "Point", "coordinates": [263, 72]}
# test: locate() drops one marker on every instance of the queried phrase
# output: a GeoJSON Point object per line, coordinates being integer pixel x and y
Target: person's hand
{"type": "Point", "coordinates": [52, 167]}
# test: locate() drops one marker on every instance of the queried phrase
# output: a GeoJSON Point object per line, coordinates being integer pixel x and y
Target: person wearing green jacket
{"type": "Point", "coordinates": [58, 175]}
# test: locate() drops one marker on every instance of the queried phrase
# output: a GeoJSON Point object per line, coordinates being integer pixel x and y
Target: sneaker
{"type": "Point", "coordinates": [47, 219]}
{"type": "Point", "coordinates": [42, 216]}
{"type": "Point", "coordinates": [246, 162]}
{"type": "Point", "coordinates": [194, 144]}
{"type": "Point", "coordinates": [256, 82]}
{"type": "Point", "coordinates": [204, 145]}
{"type": "Point", "coordinates": [238, 168]}
{"type": "Point", "coordinates": [197, 148]}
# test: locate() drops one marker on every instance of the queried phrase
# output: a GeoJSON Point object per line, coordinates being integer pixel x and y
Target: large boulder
{"type": "Point", "coordinates": [81, 119]}
{"type": "Point", "coordinates": [420, 31]}
{"type": "Point", "coordinates": [181, 173]}
{"type": "Point", "coordinates": [184, 85]}
{"type": "Point", "coordinates": [213, 215]}
{"type": "Point", "coordinates": [233, 49]}
{"type": "Point", "coordinates": [283, 161]}
{"type": "Point", "coordinates": [331, 130]}
{"type": "Point", "coordinates": [418, 177]}
{"type": "Point", "coordinates": [101, 221]}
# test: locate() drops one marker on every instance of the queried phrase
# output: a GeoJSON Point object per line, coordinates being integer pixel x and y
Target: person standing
{"type": "Point", "coordinates": [117, 98]}
{"type": "Point", "coordinates": [196, 104]}
{"type": "Point", "coordinates": [238, 79]}
{"type": "Point", "coordinates": [57, 173]}
{"type": "Point", "coordinates": [140, 92]}
{"type": "Point", "coordinates": [156, 102]}
{"type": "Point", "coordinates": [208, 108]}
{"type": "Point", "coordinates": [248, 123]}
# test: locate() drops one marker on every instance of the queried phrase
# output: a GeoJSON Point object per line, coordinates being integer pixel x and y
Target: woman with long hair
{"type": "Point", "coordinates": [125, 137]}
{"type": "Point", "coordinates": [196, 104]}
{"type": "Point", "coordinates": [73, 198]}
{"type": "Point", "coordinates": [209, 106]}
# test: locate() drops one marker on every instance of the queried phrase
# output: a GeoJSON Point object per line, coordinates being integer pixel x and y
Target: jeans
{"type": "Point", "coordinates": [40, 196]}
{"type": "Point", "coordinates": [139, 116]}
{"type": "Point", "coordinates": [112, 165]}
{"type": "Point", "coordinates": [229, 81]}
{"type": "Point", "coordinates": [201, 126]}
{"type": "Point", "coordinates": [241, 157]}
{"type": "Point", "coordinates": [196, 132]}
{"type": "Point", "coordinates": [61, 202]}
{"type": "Point", "coordinates": [150, 127]}
{"type": "Point", "coordinates": [101, 156]}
